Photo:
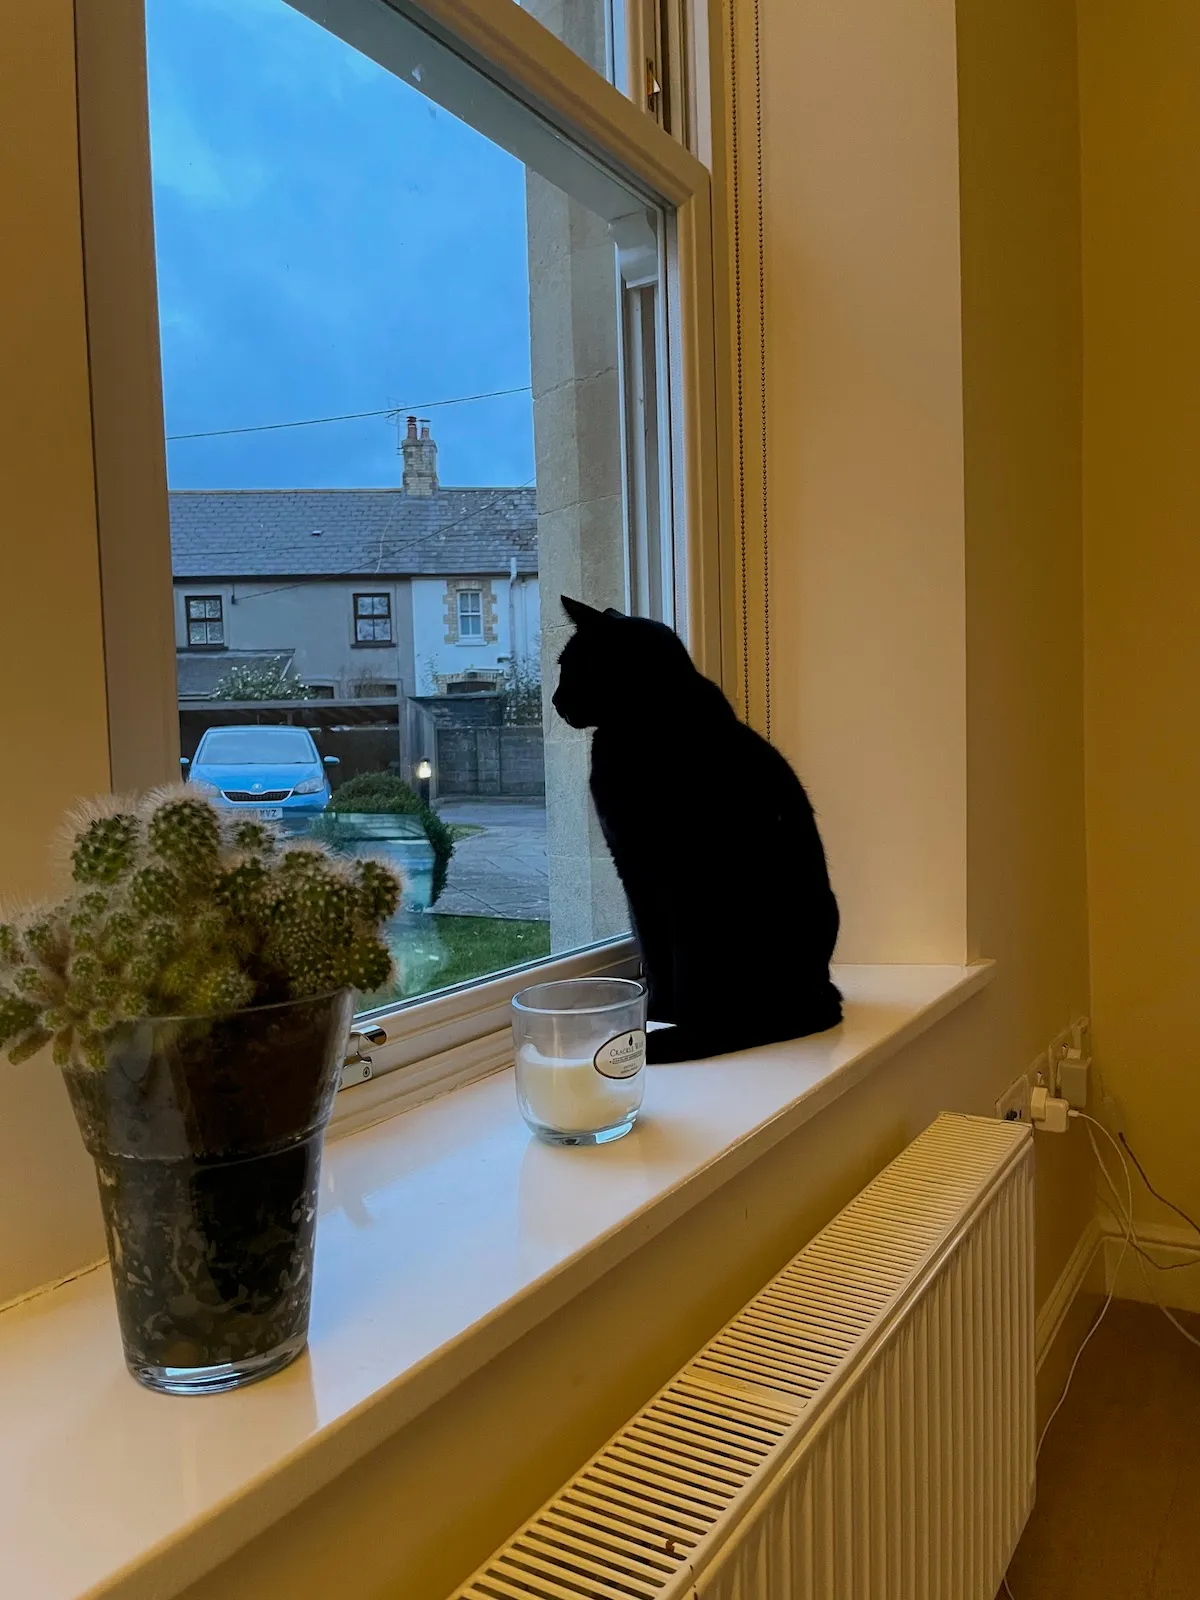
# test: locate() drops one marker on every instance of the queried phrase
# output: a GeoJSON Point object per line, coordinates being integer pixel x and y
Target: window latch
{"type": "Point", "coordinates": [357, 1066]}
{"type": "Point", "coordinates": [653, 87]}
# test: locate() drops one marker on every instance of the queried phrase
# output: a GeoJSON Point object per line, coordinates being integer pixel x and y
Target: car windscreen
{"type": "Point", "coordinates": [248, 747]}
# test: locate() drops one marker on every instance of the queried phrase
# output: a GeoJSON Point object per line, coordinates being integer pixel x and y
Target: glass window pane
{"type": "Point", "coordinates": [595, 29]}
{"type": "Point", "coordinates": [412, 366]}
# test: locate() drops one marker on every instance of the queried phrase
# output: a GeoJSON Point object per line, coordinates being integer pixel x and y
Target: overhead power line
{"type": "Point", "coordinates": [350, 416]}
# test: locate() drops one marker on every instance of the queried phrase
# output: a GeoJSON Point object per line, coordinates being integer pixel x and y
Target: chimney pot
{"type": "Point", "coordinates": [420, 461]}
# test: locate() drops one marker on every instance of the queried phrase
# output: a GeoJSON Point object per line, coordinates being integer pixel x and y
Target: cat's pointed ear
{"type": "Point", "coordinates": [611, 611]}
{"type": "Point", "coordinates": [579, 613]}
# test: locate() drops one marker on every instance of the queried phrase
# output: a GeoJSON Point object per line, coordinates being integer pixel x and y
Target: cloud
{"type": "Point", "coordinates": [185, 161]}
{"type": "Point", "coordinates": [325, 246]}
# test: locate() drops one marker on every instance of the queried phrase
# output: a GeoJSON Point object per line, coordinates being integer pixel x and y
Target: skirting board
{"type": "Point", "coordinates": [1171, 1245]}
{"type": "Point", "coordinates": [1071, 1280]}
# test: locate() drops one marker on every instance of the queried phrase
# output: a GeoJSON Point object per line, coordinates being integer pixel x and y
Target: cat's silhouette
{"type": "Point", "coordinates": [713, 838]}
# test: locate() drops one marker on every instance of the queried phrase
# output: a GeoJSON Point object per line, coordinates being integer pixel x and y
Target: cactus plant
{"type": "Point", "coordinates": [173, 911]}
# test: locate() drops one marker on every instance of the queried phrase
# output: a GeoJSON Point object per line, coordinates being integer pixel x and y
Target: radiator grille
{"type": "Point", "coordinates": [863, 1427]}
{"type": "Point", "coordinates": [268, 797]}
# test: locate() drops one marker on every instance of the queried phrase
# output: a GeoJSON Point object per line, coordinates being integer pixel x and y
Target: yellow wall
{"type": "Point", "coordinates": [865, 397]}
{"type": "Point", "coordinates": [1139, 72]}
{"type": "Point", "coordinates": [1022, 386]}
{"type": "Point", "coordinates": [53, 727]}
{"type": "Point", "coordinates": [1022, 408]}
{"type": "Point", "coordinates": [867, 312]}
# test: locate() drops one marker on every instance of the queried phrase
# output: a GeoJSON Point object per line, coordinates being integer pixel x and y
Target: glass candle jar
{"type": "Point", "coordinates": [580, 1053]}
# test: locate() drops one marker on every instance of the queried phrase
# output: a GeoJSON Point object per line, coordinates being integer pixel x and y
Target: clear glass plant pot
{"type": "Point", "coordinates": [580, 1052]}
{"type": "Point", "coordinates": [206, 1133]}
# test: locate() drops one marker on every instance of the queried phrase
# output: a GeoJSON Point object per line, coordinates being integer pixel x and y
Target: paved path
{"type": "Point", "coordinates": [501, 872]}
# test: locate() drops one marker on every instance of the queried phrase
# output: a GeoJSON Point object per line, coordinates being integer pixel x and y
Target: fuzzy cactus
{"type": "Point", "coordinates": [105, 849]}
{"type": "Point", "coordinates": [175, 911]}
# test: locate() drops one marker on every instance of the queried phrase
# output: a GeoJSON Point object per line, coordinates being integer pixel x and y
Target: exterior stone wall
{"type": "Point", "coordinates": [491, 618]}
{"type": "Point", "coordinates": [578, 452]}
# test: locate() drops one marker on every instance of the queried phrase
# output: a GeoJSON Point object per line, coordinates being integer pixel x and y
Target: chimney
{"type": "Point", "coordinates": [420, 460]}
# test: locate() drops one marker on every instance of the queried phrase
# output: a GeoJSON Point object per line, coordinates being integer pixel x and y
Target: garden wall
{"type": "Point", "coordinates": [490, 761]}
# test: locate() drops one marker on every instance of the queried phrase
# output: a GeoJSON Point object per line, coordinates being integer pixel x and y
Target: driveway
{"type": "Point", "coordinates": [501, 872]}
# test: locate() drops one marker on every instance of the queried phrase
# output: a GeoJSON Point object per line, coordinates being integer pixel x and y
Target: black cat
{"type": "Point", "coordinates": [713, 838]}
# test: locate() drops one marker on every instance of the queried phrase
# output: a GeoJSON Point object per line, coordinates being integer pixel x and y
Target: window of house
{"type": "Point", "coordinates": [476, 362]}
{"type": "Point", "coordinates": [205, 622]}
{"type": "Point", "coordinates": [372, 619]}
{"type": "Point", "coordinates": [470, 614]}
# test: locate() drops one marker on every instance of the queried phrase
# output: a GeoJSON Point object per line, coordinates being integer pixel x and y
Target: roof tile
{"type": "Point", "coordinates": [296, 533]}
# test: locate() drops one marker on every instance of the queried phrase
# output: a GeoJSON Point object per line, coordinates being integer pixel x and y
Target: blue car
{"type": "Point", "coordinates": [276, 774]}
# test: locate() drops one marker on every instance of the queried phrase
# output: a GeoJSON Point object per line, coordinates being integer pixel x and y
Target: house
{"type": "Point", "coordinates": [360, 593]}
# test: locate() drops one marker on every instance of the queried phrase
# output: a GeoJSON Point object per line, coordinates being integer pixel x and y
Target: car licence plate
{"type": "Point", "coordinates": [269, 813]}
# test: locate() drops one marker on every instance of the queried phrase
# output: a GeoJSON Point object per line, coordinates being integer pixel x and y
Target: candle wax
{"type": "Point", "coordinates": [570, 1096]}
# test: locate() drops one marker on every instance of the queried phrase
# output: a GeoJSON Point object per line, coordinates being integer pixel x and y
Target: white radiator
{"type": "Point", "coordinates": [862, 1430]}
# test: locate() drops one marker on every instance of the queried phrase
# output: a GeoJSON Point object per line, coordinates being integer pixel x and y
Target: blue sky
{"type": "Point", "coordinates": [328, 241]}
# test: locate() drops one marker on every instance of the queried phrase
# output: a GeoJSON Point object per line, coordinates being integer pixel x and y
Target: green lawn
{"type": "Point", "coordinates": [434, 951]}
{"type": "Point", "coordinates": [475, 946]}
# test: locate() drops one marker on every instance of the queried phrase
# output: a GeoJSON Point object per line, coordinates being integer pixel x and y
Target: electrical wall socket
{"type": "Point", "coordinates": [1013, 1104]}
{"type": "Point", "coordinates": [1076, 1036]}
{"type": "Point", "coordinates": [1059, 1045]}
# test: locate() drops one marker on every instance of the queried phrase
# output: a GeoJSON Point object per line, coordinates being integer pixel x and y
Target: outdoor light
{"type": "Point", "coordinates": [424, 771]}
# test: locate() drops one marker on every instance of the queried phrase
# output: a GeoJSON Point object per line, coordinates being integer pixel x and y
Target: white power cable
{"type": "Point", "coordinates": [1124, 1215]}
{"type": "Point", "coordinates": [1120, 1262]}
{"type": "Point", "coordinates": [1127, 1220]}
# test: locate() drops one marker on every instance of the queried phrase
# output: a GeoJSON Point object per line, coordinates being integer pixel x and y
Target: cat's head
{"type": "Point", "coordinates": [614, 666]}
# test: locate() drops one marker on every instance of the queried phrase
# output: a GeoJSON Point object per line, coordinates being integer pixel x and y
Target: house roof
{"type": "Point", "coordinates": [198, 674]}
{"type": "Point", "coordinates": [354, 533]}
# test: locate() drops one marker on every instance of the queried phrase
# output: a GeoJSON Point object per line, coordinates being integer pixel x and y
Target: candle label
{"type": "Point", "coordinates": [622, 1056]}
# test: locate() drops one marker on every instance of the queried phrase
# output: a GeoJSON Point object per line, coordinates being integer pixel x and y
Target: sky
{"type": "Point", "coordinates": [328, 241]}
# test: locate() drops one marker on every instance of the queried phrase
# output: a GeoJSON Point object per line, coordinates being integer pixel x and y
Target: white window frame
{"type": "Point", "coordinates": [459, 1031]}
{"type": "Point", "coordinates": [469, 635]}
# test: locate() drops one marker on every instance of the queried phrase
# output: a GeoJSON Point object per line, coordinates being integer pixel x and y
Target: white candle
{"type": "Point", "coordinates": [570, 1095]}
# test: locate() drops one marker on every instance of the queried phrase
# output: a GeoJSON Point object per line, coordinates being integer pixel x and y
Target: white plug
{"type": "Point", "coordinates": [1073, 1072]}
{"type": "Point", "coordinates": [1048, 1112]}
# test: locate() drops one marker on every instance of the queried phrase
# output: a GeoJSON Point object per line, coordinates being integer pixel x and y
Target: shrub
{"type": "Point", "coordinates": [263, 680]}
{"type": "Point", "coordinates": [521, 692]}
{"type": "Point", "coordinates": [383, 793]}
{"type": "Point", "coordinates": [176, 911]}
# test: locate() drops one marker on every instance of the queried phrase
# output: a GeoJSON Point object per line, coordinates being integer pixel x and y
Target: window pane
{"type": "Point", "coordinates": [594, 29]}
{"type": "Point", "coordinates": [204, 622]}
{"type": "Point", "coordinates": [401, 354]}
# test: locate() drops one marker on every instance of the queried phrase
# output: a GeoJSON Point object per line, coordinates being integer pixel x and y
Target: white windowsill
{"type": "Point", "coordinates": [445, 1234]}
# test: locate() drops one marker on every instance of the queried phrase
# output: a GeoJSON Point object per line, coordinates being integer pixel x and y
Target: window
{"type": "Point", "coordinates": [470, 614]}
{"type": "Point", "coordinates": [205, 623]}
{"type": "Point", "coordinates": [642, 46]}
{"type": "Point", "coordinates": [372, 619]}
{"type": "Point", "coordinates": [554, 334]}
